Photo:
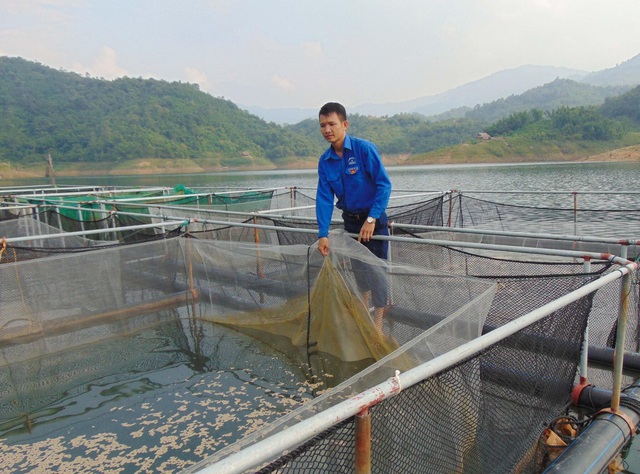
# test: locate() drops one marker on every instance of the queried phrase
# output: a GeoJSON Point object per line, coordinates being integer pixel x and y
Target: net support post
{"type": "Point", "coordinates": [584, 355]}
{"type": "Point", "coordinates": [80, 216]}
{"type": "Point", "coordinates": [363, 442]}
{"type": "Point", "coordinates": [575, 213]}
{"type": "Point", "coordinates": [625, 289]}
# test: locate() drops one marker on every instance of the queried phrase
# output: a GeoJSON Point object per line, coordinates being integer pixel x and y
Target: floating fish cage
{"type": "Point", "coordinates": [227, 343]}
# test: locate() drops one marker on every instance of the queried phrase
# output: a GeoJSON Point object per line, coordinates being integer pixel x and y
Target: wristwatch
{"type": "Point", "coordinates": [370, 220]}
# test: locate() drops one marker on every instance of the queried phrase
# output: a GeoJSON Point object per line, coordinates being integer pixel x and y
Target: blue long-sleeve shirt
{"type": "Point", "coordinates": [358, 180]}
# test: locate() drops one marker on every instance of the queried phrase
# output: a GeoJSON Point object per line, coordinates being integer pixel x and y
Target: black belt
{"type": "Point", "coordinates": [356, 216]}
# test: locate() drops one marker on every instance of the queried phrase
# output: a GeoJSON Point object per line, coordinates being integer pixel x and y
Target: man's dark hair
{"type": "Point", "coordinates": [334, 107]}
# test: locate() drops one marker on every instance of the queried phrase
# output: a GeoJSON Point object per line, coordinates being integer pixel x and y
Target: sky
{"type": "Point", "coordinates": [301, 53]}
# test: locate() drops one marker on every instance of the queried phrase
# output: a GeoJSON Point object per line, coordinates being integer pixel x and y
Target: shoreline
{"type": "Point", "coordinates": [164, 166]}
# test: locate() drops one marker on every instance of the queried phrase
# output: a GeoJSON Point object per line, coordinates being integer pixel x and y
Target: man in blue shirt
{"type": "Point", "coordinates": [351, 170]}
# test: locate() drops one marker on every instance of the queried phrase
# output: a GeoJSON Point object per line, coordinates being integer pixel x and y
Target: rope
{"type": "Point", "coordinates": [309, 343]}
{"type": "Point", "coordinates": [18, 279]}
{"type": "Point", "coordinates": [566, 420]}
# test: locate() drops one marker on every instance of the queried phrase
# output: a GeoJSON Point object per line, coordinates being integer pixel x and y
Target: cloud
{"type": "Point", "coordinates": [40, 30]}
{"type": "Point", "coordinates": [104, 66]}
{"type": "Point", "coordinates": [196, 76]}
{"type": "Point", "coordinates": [312, 50]}
{"type": "Point", "coordinates": [252, 53]}
{"type": "Point", "coordinates": [51, 10]}
{"type": "Point", "coordinates": [282, 83]}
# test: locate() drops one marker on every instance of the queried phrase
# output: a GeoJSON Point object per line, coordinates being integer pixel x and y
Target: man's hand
{"type": "Point", "coordinates": [323, 246]}
{"type": "Point", "coordinates": [366, 232]}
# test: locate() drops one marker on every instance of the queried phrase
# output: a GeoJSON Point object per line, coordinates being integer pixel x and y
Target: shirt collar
{"type": "Point", "coordinates": [345, 146]}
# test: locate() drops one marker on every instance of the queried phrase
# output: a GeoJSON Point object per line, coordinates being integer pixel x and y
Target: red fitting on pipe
{"type": "Point", "coordinates": [577, 390]}
{"type": "Point", "coordinates": [624, 416]}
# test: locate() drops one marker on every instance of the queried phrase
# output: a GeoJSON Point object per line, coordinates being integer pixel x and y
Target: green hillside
{"type": "Point", "coordinates": [562, 134]}
{"type": "Point", "coordinates": [87, 120]}
{"type": "Point", "coordinates": [92, 124]}
{"type": "Point", "coordinates": [402, 133]}
{"type": "Point", "coordinates": [558, 93]}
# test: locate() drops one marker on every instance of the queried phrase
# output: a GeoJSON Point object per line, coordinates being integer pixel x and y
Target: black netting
{"type": "Point", "coordinates": [417, 213]}
{"type": "Point", "coordinates": [17, 253]}
{"type": "Point", "coordinates": [535, 279]}
{"type": "Point", "coordinates": [604, 315]}
{"type": "Point", "coordinates": [471, 212]}
{"type": "Point", "coordinates": [484, 415]}
{"type": "Point", "coordinates": [72, 221]}
{"type": "Point", "coordinates": [330, 451]}
{"type": "Point", "coordinates": [6, 215]}
{"type": "Point", "coordinates": [420, 213]}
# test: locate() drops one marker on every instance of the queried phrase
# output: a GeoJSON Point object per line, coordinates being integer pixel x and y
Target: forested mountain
{"type": "Point", "coordinates": [495, 86]}
{"type": "Point", "coordinates": [625, 73]}
{"type": "Point", "coordinates": [83, 119]}
{"type": "Point", "coordinates": [87, 120]}
{"type": "Point", "coordinates": [624, 107]}
{"type": "Point", "coordinates": [558, 93]}
{"type": "Point", "coordinates": [402, 133]}
{"type": "Point", "coordinates": [606, 122]}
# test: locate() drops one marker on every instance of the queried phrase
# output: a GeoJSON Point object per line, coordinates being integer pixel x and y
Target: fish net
{"type": "Point", "coordinates": [485, 414]}
{"type": "Point", "coordinates": [592, 215]}
{"type": "Point", "coordinates": [270, 288]}
{"type": "Point", "coordinates": [308, 309]}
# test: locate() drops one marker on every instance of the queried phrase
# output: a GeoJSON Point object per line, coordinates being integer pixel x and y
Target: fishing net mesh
{"type": "Point", "coordinates": [592, 215]}
{"type": "Point", "coordinates": [235, 283]}
{"type": "Point", "coordinates": [493, 405]}
{"type": "Point", "coordinates": [482, 415]}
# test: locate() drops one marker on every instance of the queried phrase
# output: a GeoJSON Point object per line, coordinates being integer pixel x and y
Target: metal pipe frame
{"type": "Point", "coordinates": [559, 237]}
{"type": "Point", "coordinates": [144, 198]}
{"type": "Point", "coordinates": [624, 273]}
{"type": "Point", "coordinates": [444, 243]}
{"type": "Point", "coordinates": [182, 222]}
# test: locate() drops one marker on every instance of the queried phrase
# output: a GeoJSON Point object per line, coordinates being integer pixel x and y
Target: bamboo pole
{"type": "Point", "coordinates": [20, 334]}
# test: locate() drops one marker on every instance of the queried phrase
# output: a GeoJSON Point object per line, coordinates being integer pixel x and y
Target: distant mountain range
{"type": "Point", "coordinates": [496, 86]}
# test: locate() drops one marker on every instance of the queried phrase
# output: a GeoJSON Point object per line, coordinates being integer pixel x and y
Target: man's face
{"type": "Point", "coordinates": [333, 128]}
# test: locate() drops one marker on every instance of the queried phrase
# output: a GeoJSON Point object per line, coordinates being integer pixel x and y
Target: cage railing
{"type": "Point", "coordinates": [44, 189]}
{"type": "Point", "coordinates": [82, 233]}
{"type": "Point", "coordinates": [280, 213]}
{"type": "Point", "coordinates": [78, 191]}
{"type": "Point", "coordinates": [168, 193]}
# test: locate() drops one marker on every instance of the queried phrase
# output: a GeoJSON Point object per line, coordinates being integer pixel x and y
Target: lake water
{"type": "Point", "coordinates": [531, 177]}
{"type": "Point", "coordinates": [513, 177]}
